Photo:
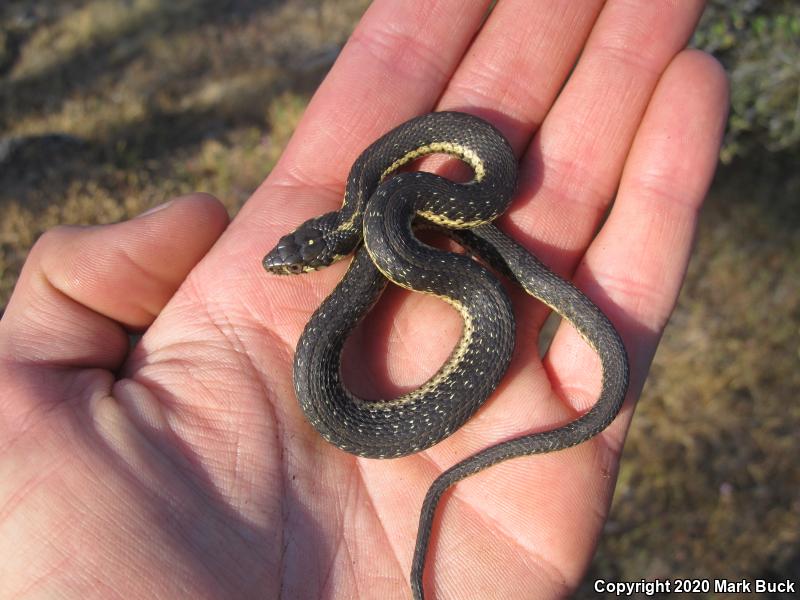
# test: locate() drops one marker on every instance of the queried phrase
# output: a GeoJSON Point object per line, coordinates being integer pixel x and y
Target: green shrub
{"type": "Point", "coordinates": [758, 42]}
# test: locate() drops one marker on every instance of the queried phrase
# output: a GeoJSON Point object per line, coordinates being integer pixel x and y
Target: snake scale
{"type": "Point", "coordinates": [382, 207]}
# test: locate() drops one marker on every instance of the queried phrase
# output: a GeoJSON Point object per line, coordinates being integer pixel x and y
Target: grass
{"type": "Point", "coordinates": [161, 98]}
{"type": "Point", "coordinates": [158, 98]}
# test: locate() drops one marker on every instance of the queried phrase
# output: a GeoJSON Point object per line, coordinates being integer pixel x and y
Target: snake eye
{"type": "Point", "coordinates": [305, 249]}
{"type": "Point", "coordinates": [307, 234]}
{"type": "Point", "coordinates": [310, 243]}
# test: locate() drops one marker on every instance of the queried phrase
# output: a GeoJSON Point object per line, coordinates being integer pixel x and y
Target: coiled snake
{"type": "Point", "coordinates": [381, 208]}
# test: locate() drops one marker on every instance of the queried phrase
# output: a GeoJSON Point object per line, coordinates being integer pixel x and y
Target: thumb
{"type": "Point", "coordinates": [83, 289]}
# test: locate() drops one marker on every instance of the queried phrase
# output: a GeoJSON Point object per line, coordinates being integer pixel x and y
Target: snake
{"type": "Point", "coordinates": [385, 204]}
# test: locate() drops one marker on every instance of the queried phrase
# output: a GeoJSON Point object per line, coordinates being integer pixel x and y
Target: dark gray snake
{"type": "Point", "coordinates": [382, 208]}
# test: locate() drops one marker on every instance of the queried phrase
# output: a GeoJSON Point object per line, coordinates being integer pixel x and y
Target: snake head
{"type": "Point", "coordinates": [307, 248]}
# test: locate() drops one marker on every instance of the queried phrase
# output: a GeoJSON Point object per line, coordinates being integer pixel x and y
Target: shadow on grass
{"type": "Point", "coordinates": [162, 130]}
{"type": "Point", "coordinates": [106, 53]}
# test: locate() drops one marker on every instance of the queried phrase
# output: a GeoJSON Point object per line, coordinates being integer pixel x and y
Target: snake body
{"type": "Point", "coordinates": [377, 220]}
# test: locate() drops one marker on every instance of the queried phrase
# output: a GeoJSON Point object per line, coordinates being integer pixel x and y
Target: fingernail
{"type": "Point", "coordinates": [155, 209]}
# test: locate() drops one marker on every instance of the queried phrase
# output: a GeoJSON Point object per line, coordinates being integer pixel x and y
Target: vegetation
{"type": "Point", "coordinates": [758, 41]}
{"type": "Point", "coordinates": [101, 118]}
{"type": "Point", "coordinates": [148, 99]}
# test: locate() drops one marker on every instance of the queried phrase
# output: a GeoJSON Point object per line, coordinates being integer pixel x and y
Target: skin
{"type": "Point", "coordinates": [185, 469]}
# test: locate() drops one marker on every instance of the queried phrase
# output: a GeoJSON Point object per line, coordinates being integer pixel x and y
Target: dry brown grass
{"type": "Point", "coordinates": [158, 98]}
{"type": "Point", "coordinates": [175, 96]}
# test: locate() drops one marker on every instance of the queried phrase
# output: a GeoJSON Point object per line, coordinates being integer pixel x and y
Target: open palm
{"type": "Point", "coordinates": [186, 469]}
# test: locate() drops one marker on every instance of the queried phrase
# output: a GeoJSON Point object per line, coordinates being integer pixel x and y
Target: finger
{"type": "Point", "coordinates": [573, 168]}
{"type": "Point", "coordinates": [570, 173]}
{"type": "Point", "coordinates": [83, 288]}
{"type": "Point", "coordinates": [394, 66]}
{"type": "Point", "coordinates": [555, 200]}
{"type": "Point", "coordinates": [518, 63]}
{"type": "Point", "coordinates": [635, 267]}
{"type": "Point", "coordinates": [503, 69]}
{"type": "Point", "coordinates": [633, 271]}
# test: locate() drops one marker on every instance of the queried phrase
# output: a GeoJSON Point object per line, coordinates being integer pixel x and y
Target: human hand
{"type": "Point", "coordinates": [186, 469]}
